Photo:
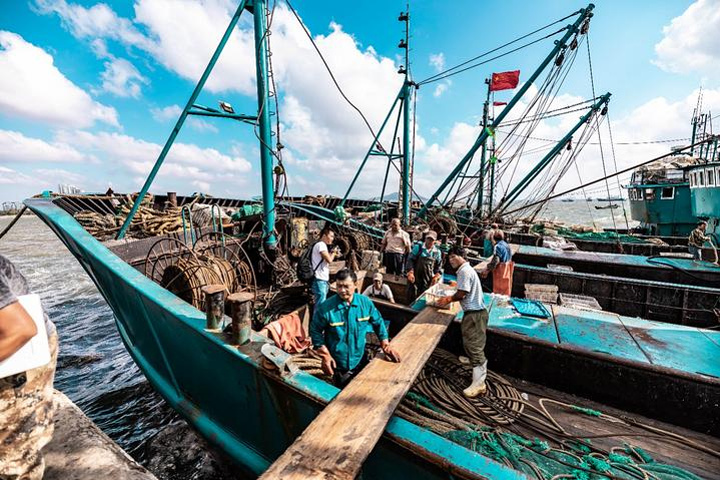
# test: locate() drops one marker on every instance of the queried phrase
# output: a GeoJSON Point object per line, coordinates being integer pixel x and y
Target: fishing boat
{"type": "Point", "coordinates": [158, 260]}
{"type": "Point", "coordinates": [605, 207]}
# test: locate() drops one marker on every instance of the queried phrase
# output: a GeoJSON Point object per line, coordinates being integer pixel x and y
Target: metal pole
{"type": "Point", "coordinates": [266, 156]}
{"type": "Point", "coordinates": [483, 153]}
{"type": "Point", "coordinates": [560, 44]}
{"type": "Point", "coordinates": [181, 120]}
{"type": "Point", "coordinates": [520, 187]}
{"type": "Point", "coordinates": [406, 155]}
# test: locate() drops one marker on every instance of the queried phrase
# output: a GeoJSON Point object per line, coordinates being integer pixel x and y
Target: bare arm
{"type": "Point", "coordinates": [16, 329]}
{"type": "Point", "coordinates": [329, 257]}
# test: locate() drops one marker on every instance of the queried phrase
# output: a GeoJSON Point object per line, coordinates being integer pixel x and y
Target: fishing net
{"type": "Point", "coordinates": [492, 425]}
{"type": "Point", "coordinates": [596, 236]}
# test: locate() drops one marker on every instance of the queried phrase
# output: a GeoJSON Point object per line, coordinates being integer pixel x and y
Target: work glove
{"type": "Point", "coordinates": [435, 279]}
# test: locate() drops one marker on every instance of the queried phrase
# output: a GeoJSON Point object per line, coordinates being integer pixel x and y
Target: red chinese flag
{"type": "Point", "coordinates": [504, 80]}
{"type": "Point", "coordinates": [499, 104]}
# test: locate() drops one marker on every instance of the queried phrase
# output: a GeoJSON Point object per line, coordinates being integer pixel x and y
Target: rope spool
{"type": "Point", "coordinates": [186, 277]}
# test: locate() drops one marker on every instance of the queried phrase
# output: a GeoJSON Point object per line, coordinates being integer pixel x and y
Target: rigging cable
{"type": "Point", "coordinates": [493, 58]}
{"type": "Point", "coordinates": [602, 153]}
{"type": "Point", "coordinates": [327, 67]}
{"type": "Point", "coordinates": [432, 78]}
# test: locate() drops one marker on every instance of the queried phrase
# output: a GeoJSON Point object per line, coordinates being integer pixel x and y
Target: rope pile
{"type": "Point", "coordinates": [186, 277]}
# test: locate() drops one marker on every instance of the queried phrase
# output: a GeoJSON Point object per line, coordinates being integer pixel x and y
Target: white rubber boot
{"type": "Point", "coordinates": [477, 387]}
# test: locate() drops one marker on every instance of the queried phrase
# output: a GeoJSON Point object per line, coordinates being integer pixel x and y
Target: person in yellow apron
{"type": "Point", "coordinates": [501, 265]}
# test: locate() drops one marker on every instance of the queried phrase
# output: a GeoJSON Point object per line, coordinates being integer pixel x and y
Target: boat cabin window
{"type": "Point", "coordinates": [717, 171]}
{"type": "Point", "coordinates": [701, 178]}
{"type": "Point", "coordinates": [710, 177]}
{"type": "Point", "coordinates": [668, 193]}
{"type": "Point", "coordinates": [650, 194]}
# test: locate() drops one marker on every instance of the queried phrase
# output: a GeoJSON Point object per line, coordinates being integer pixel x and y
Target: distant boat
{"type": "Point", "coordinates": [603, 207]}
{"type": "Point", "coordinates": [611, 199]}
{"type": "Point", "coordinates": [567, 200]}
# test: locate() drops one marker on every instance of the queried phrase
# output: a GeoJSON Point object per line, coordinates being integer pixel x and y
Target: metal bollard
{"type": "Point", "coordinates": [214, 305]}
{"type": "Point", "coordinates": [172, 198]}
{"type": "Point", "coordinates": [241, 305]}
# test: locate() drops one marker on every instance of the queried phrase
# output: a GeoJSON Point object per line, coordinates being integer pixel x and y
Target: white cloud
{"type": "Point", "coordinates": [138, 156]}
{"type": "Point", "coordinates": [17, 148]}
{"type": "Point", "coordinates": [172, 112]}
{"type": "Point", "coordinates": [32, 87]}
{"type": "Point", "coordinates": [440, 89]}
{"type": "Point", "coordinates": [437, 61]}
{"type": "Point", "coordinates": [122, 78]}
{"type": "Point", "coordinates": [58, 175]}
{"type": "Point", "coordinates": [11, 177]}
{"type": "Point", "coordinates": [690, 42]}
{"type": "Point", "coordinates": [97, 21]}
{"type": "Point", "coordinates": [162, 115]}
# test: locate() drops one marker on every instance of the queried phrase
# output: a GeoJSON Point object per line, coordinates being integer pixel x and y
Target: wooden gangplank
{"type": "Point", "coordinates": [337, 442]}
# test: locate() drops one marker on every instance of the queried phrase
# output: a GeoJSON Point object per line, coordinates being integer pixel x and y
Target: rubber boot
{"type": "Point", "coordinates": [477, 387]}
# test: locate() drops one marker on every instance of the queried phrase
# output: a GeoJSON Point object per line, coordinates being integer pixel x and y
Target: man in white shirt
{"type": "Point", "coordinates": [378, 289]}
{"type": "Point", "coordinates": [475, 318]}
{"type": "Point", "coordinates": [320, 259]}
{"type": "Point", "coordinates": [395, 247]}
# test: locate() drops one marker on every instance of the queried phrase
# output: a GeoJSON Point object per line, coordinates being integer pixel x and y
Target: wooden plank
{"type": "Point", "coordinates": [337, 442]}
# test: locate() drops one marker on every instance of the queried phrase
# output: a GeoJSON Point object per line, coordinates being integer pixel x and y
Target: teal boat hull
{"type": "Point", "coordinates": [224, 392]}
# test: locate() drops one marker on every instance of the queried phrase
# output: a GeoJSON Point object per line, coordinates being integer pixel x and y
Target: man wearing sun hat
{"type": "Point", "coordinates": [378, 289]}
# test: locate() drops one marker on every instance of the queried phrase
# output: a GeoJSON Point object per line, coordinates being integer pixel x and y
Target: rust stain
{"type": "Point", "coordinates": [645, 336]}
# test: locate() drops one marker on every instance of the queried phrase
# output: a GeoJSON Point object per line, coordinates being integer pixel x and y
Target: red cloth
{"type": "Point", "coordinates": [288, 334]}
{"type": "Point", "coordinates": [502, 278]}
{"type": "Point", "coordinates": [499, 104]}
{"type": "Point", "coordinates": [504, 80]}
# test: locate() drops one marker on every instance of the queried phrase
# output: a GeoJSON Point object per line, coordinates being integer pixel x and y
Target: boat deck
{"type": "Point", "coordinates": [607, 435]}
{"type": "Point", "coordinates": [688, 349]}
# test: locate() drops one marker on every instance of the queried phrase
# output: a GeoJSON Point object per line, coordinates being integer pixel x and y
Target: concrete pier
{"type": "Point", "coordinates": [79, 450]}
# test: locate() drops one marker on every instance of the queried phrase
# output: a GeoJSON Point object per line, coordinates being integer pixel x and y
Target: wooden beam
{"type": "Point", "coordinates": [337, 442]}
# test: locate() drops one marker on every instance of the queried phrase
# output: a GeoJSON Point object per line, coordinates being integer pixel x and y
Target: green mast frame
{"type": "Point", "coordinates": [259, 10]}
{"type": "Point", "coordinates": [540, 166]}
{"type": "Point", "coordinates": [584, 14]}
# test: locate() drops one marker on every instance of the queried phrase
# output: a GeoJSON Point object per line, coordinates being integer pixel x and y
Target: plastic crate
{"type": "Point", "coordinates": [579, 301]}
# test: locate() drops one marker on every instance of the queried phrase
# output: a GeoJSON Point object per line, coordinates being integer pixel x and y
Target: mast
{"type": "Point", "coordinates": [483, 152]}
{"type": "Point", "coordinates": [559, 45]}
{"type": "Point", "coordinates": [262, 120]}
{"type": "Point", "coordinates": [406, 179]}
{"type": "Point", "coordinates": [259, 8]}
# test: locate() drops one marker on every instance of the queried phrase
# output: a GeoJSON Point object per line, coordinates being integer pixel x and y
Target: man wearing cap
{"type": "Point", "coordinates": [423, 265]}
{"type": "Point", "coordinates": [378, 289]}
{"type": "Point", "coordinates": [395, 245]}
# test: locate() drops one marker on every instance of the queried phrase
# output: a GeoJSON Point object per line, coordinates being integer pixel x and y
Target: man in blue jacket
{"type": "Point", "coordinates": [338, 330]}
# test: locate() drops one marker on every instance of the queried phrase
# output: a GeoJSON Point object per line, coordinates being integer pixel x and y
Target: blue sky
{"type": "Point", "coordinates": [89, 91]}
